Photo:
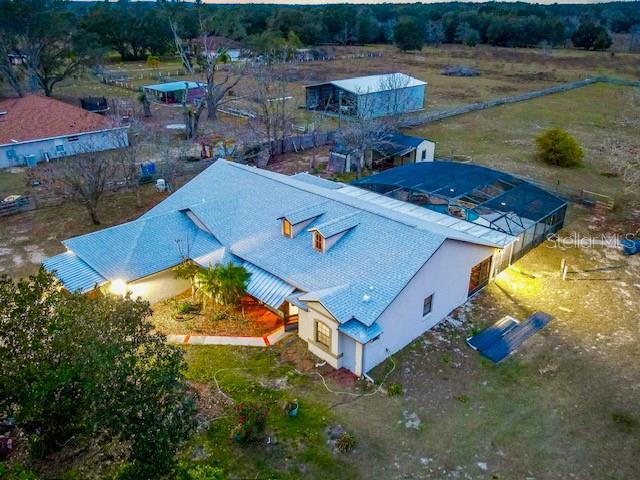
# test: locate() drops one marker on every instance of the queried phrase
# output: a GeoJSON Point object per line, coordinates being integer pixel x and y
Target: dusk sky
{"type": "Point", "coordinates": [320, 2]}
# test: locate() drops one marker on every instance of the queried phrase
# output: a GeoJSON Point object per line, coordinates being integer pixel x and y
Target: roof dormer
{"type": "Point", "coordinates": [326, 235]}
{"type": "Point", "coordinates": [297, 220]}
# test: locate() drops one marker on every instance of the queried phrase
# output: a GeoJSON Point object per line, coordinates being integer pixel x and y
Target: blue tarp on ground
{"type": "Point", "coordinates": [485, 338]}
{"type": "Point", "coordinates": [506, 343]}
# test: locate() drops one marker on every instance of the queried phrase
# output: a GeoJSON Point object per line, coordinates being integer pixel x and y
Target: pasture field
{"type": "Point", "coordinates": [563, 407]}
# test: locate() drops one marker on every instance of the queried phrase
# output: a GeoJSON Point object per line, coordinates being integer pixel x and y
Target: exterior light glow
{"type": "Point", "coordinates": [118, 287]}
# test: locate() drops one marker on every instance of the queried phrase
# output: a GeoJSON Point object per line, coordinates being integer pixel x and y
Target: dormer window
{"type": "Point", "coordinates": [286, 228]}
{"type": "Point", "coordinates": [327, 234]}
{"type": "Point", "coordinates": [298, 220]}
{"type": "Point", "coordinates": [318, 241]}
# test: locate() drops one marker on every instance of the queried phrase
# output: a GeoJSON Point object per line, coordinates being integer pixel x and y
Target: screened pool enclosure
{"type": "Point", "coordinates": [479, 195]}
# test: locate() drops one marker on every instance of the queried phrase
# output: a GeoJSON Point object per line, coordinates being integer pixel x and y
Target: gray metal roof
{"type": "Point", "coordinates": [75, 275]}
{"type": "Point", "coordinates": [174, 86]}
{"type": "Point", "coordinates": [237, 210]}
{"type": "Point", "coordinates": [377, 83]}
{"type": "Point", "coordinates": [265, 287]}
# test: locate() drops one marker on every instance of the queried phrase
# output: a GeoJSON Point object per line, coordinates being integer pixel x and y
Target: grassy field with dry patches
{"type": "Point", "coordinates": [504, 137]}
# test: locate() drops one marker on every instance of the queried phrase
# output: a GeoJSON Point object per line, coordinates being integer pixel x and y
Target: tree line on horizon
{"type": "Point", "coordinates": [133, 28]}
{"type": "Point", "coordinates": [56, 39]}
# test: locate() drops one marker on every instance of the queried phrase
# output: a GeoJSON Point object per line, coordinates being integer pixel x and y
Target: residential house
{"type": "Point", "coordinates": [36, 128]}
{"type": "Point", "coordinates": [363, 274]}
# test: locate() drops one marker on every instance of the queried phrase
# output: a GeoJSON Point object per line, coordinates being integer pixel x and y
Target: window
{"type": "Point", "coordinates": [323, 334]}
{"type": "Point", "coordinates": [427, 306]}
{"type": "Point", "coordinates": [318, 241]}
{"type": "Point", "coordinates": [286, 228]}
{"type": "Point", "coordinates": [60, 149]}
{"type": "Point", "coordinates": [72, 139]}
{"type": "Point", "coordinates": [424, 155]}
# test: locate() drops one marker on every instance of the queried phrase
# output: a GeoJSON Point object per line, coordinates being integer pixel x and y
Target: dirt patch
{"type": "Point", "coordinates": [249, 320]}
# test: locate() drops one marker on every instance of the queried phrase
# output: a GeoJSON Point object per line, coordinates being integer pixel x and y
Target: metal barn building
{"type": "Point", "coordinates": [173, 92]}
{"type": "Point", "coordinates": [474, 195]}
{"type": "Point", "coordinates": [370, 96]}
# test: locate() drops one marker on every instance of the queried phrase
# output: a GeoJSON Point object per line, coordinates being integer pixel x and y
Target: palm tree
{"type": "Point", "coordinates": [224, 284]}
{"type": "Point", "coordinates": [233, 283]}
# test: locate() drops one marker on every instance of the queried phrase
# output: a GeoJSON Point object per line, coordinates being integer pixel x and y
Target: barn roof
{"type": "Point", "coordinates": [375, 83]}
{"type": "Point", "coordinates": [173, 86]}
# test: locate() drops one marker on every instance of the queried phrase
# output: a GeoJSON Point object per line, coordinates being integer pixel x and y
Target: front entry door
{"type": "Point", "coordinates": [290, 317]}
{"type": "Point", "coordinates": [479, 276]}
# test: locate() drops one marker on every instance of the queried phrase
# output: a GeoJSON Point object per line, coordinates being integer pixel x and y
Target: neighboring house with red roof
{"type": "Point", "coordinates": [36, 128]}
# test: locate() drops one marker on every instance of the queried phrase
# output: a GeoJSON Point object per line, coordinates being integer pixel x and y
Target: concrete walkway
{"type": "Point", "coordinates": [264, 341]}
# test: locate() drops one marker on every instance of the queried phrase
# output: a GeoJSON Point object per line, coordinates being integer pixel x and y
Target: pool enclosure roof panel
{"type": "Point", "coordinates": [487, 192]}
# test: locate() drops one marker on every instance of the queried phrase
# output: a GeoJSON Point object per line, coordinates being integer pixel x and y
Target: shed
{"type": "Point", "coordinates": [369, 96]}
{"type": "Point", "coordinates": [397, 149]}
{"type": "Point", "coordinates": [173, 92]}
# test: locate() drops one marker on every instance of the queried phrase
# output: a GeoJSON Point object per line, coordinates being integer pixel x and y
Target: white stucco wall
{"type": "Point", "coordinates": [446, 276]}
{"type": "Point", "coordinates": [429, 148]}
{"type": "Point", "coordinates": [88, 142]}
{"type": "Point", "coordinates": [306, 331]}
{"type": "Point", "coordinates": [158, 287]}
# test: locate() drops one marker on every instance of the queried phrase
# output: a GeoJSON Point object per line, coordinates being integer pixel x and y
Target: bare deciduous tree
{"type": "Point", "coordinates": [271, 94]}
{"type": "Point", "coordinates": [217, 81]}
{"type": "Point", "coordinates": [127, 158]}
{"type": "Point", "coordinates": [363, 130]}
{"type": "Point", "coordinates": [9, 72]}
{"type": "Point", "coordinates": [82, 179]}
{"type": "Point", "coordinates": [171, 165]}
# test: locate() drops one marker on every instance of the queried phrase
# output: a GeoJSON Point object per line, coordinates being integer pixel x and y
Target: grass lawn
{"type": "Point", "coordinates": [295, 447]}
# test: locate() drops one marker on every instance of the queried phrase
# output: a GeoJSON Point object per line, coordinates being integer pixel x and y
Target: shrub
{"type": "Point", "coordinates": [60, 380]}
{"type": "Point", "coordinates": [346, 443]}
{"type": "Point", "coordinates": [16, 472]}
{"type": "Point", "coordinates": [199, 472]}
{"type": "Point", "coordinates": [187, 307]}
{"type": "Point", "coordinates": [252, 420]}
{"type": "Point", "coordinates": [407, 34]}
{"type": "Point", "coordinates": [557, 147]}
{"type": "Point", "coordinates": [394, 389]}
